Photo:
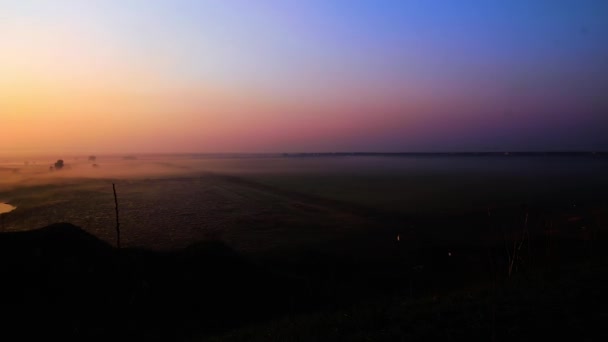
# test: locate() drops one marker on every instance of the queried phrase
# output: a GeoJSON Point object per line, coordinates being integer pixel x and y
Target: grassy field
{"type": "Point", "coordinates": [368, 244]}
{"type": "Point", "coordinates": [272, 207]}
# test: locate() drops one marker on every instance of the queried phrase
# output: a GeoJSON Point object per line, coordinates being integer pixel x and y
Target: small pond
{"type": "Point", "coordinates": [6, 208]}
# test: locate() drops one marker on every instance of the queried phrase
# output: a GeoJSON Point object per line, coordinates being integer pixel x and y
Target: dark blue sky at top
{"type": "Point", "coordinates": [547, 58]}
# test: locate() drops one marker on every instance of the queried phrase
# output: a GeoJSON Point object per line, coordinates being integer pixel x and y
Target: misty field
{"type": "Point", "coordinates": [309, 244]}
{"type": "Point", "coordinates": [274, 205]}
{"type": "Point", "coordinates": [262, 203]}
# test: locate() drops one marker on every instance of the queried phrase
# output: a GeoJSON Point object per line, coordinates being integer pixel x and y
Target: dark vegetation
{"type": "Point", "coordinates": [428, 284]}
{"type": "Point", "coordinates": [59, 281]}
{"type": "Point", "coordinates": [59, 164]}
{"type": "Point", "coordinates": [301, 257]}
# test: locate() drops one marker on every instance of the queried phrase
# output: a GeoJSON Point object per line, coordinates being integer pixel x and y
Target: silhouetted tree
{"type": "Point", "coordinates": [59, 164]}
{"type": "Point", "coordinates": [92, 158]}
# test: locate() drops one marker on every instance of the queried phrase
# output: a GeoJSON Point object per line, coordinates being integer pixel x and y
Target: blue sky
{"type": "Point", "coordinates": [325, 75]}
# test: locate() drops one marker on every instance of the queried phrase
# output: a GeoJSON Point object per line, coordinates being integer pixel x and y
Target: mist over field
{"type": "Point", "coordinates": [36, 171]}
{"type": "Point", "coordinates": [171, 200]}
{"type": "Point", "coordinates": [381, 181]}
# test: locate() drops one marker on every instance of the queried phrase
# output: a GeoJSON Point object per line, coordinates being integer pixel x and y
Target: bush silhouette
{"type": "Point", "coordinates": [59, 164]}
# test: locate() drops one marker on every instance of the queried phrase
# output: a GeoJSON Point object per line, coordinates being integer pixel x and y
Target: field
{"type": "Point", "coordinates": [347, 230]}
{"type": "Point", "coordinates": [270, 198]}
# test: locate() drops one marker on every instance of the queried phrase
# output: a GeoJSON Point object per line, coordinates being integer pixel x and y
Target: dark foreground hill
{"type": "Point", "coordinates": [60, 281]}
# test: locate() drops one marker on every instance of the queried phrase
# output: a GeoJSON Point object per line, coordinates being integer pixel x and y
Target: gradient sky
{"type": "Point", "coordinates": [301, 76]}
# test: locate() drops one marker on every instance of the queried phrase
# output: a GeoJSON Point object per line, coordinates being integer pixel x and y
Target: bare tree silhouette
{"type": "Point", "coordinates": [117, 221]}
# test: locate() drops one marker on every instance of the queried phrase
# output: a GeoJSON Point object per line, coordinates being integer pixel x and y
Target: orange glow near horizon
{"type": "Point", "coordinates": [116, 77]}
{"type": "Point", "coordinates": [75, 102]}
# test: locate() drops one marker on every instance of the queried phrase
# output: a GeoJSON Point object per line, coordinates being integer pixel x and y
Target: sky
{"type": "Point", "coordinates": [135, 76]}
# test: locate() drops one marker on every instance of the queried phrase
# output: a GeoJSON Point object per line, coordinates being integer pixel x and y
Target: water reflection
{"type": "Point", "coordinates": [6, 208]}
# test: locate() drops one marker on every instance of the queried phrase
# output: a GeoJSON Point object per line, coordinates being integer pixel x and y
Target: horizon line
{"type": "Point", "coordinates": [494, 152]}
